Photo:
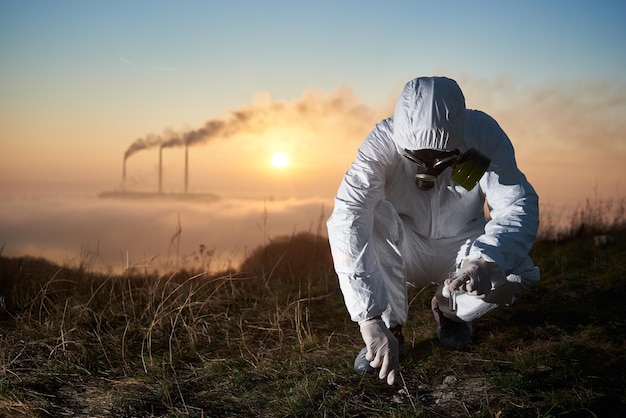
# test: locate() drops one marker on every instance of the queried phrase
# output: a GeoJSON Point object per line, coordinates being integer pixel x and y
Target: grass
{"type": "Point", "coordinates": [275, 340]}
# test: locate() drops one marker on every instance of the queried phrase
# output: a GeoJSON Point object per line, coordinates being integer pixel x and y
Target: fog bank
{"type": "Point", "coordinates": [112, 235]}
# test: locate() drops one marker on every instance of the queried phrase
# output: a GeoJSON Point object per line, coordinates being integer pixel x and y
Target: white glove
{"type": "Point", "coordinates": [476, 277]}
{"type": "Point", "coordinates": [382, 348]}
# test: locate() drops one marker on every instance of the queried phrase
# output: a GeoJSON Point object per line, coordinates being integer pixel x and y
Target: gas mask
{"type": "Point", "coordinates": [467, 168]}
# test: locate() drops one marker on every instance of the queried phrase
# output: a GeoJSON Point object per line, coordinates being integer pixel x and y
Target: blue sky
{"type": "Point", "coordinates": [88, 77]}
{"type": "Point", "coordinates": [231, 49]}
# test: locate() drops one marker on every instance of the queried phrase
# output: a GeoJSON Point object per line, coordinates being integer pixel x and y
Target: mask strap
{"type": "Point", "coordinates": [439, 162]}
{"type": "Point", "coordinates": [444, 162]}
{"type": "Point", "coordinates": [408, 154]}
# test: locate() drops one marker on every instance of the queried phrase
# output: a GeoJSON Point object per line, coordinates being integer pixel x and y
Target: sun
{"type": "Point", "coordinates": [280, 160]}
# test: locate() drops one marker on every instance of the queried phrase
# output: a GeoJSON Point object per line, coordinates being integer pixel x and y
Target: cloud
{"type": "Point", "coordinates": [557, 116]}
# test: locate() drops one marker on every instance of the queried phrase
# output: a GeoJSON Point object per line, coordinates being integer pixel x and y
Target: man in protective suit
{"type": "Point", "coordinates": [410, 209]}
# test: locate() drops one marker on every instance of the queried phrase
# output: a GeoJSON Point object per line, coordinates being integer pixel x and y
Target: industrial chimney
{"type": "Point", "coordinates": [160, 169]}
{"type": "Point", "coordinates": [186, 168]}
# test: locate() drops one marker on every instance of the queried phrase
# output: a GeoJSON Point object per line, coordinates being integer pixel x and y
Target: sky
{"type": "Point", "coordinates": [94, 94]}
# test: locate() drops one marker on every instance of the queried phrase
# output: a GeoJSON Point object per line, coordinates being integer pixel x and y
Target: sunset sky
{"type": "Point", "coordinates": [84, 84]}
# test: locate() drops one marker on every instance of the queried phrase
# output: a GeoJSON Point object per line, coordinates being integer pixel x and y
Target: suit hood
{"type": "Point", "coordinates": [429, 114]}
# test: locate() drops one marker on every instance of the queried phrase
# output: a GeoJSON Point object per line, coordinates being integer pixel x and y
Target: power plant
{"type": "Point", "coordinates": [159, 194]}
{"type": "Point", "coordinates": [247, 119]}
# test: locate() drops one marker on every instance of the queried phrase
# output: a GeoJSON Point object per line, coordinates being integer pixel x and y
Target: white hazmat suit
{"type": "Point", "coordinates": [385, 232]}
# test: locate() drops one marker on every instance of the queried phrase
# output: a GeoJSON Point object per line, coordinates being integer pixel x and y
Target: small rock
{"type": "Point", "coordinates": [450, 380]}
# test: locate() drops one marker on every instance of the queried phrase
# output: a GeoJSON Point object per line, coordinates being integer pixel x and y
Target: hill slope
{"type": "Point", "coordinates": [280, 343]}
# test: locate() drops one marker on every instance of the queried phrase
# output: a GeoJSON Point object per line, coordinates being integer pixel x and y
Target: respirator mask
{"type": "Point", "coordinates": [467, 168]}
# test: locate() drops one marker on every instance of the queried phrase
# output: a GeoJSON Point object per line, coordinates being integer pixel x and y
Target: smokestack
{"type": "Point", "coordinates": [160, 169]}
{"type": "Point", "coordinates": [186, 168]}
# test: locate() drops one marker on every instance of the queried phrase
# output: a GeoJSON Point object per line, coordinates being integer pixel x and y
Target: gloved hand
{"type": "Point", "coordinates": [382, 348]}
{"type": "Point", "coordinates": [476, 277]}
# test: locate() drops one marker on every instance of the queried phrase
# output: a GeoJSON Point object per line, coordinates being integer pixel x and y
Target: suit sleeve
{"type": "Point", "coordinates": [511, 230]}
{"type": "Point", "coordinates": [351, 224]}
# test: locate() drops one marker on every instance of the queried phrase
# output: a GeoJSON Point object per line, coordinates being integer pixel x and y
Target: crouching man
{"type": "Point", "coordinates": [410, 209]}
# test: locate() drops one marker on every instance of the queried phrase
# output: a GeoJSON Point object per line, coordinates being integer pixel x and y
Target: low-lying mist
{"type": "Point", "coordinates": [152, 234]}
{"type": "Point", "coordinates": [115, 235]}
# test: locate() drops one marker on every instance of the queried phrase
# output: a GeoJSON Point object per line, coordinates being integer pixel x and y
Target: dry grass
{"type": "Point", "coordinates": [594, 216]}
{"type": "Point", "coordinates": [275, 340]}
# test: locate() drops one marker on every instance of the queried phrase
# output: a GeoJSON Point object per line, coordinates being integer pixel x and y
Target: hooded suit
{"type": "Point", "coordinates": [385, 232]}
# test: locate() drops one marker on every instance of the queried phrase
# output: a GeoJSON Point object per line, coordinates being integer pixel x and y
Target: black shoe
{"type": "Point", "coordinates": [452, 334]}
{"type": "Point", "coordinates": [397, 332]}
{"type": "Point", "coordinates": [361, 364]}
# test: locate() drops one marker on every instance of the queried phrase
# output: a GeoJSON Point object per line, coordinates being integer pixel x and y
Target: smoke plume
{"type": "Point", "coordinates": [312, 111]}
{"type": "Point", "coordinates": [142, 143]}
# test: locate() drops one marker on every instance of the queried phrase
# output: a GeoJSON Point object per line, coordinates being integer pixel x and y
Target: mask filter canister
{"type": "Point", "coordinates": [470, 168]}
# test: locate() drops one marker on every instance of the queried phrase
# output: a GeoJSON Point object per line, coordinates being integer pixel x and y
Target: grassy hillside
{"type": "Point", "coordinates": [275, 340]}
